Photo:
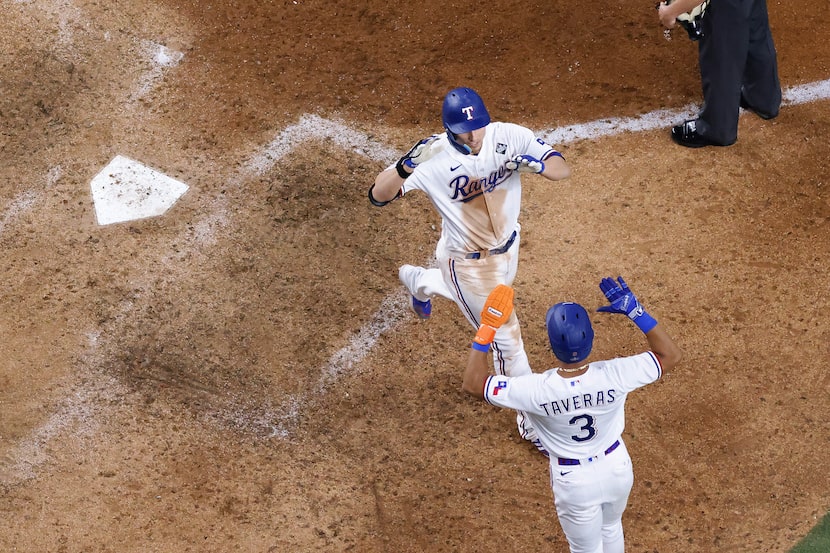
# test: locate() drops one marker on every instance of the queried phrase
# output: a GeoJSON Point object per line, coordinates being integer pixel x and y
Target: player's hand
{"type": "Point", "coordinates": [524, 163]}
{"type": "Point", "coordinates": [622, 300]}
{"type": "Point", "coordinates": [423, 150]}
{"type": "Point", "coordinates": [668, 18]}
{"type": "Point", "coordinates": [419, 153]}
{"type": "Point", "coordinates": [497, 309]}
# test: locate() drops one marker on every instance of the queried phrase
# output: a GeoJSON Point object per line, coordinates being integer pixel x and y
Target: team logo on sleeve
{"type": "Point", "coordinates": [501, 148]}
{"type": "Point", "coordinates": [500, 385]}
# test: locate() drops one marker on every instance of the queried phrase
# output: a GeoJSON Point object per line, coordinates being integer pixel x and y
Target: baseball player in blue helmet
{"type": "Point", "coordinates": [578, 408]}
{"type": "Point", "coordinates": [472, 174]}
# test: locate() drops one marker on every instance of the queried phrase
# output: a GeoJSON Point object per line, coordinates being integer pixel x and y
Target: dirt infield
{"type": "Point", "coordinates": [242, 374]}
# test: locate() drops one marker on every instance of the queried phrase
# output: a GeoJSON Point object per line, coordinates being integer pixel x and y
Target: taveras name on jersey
{"type": "Point", "coordinates": [577, 402]}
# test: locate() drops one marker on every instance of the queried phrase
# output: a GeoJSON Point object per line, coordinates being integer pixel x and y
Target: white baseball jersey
{"type": "Point", "coordinates": [576, 418]}
{"type": "Point", "coordinates": [478, 198]}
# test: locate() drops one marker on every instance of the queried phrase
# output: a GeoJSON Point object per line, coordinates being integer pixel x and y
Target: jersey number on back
{"type": "Point", "coordinates": [587, 429]}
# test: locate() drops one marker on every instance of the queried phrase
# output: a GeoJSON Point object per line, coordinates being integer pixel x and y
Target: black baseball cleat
{"type": "Point", "coordinates": [686, 135]}
{"type": "Point", "coordinates": [760, 114]}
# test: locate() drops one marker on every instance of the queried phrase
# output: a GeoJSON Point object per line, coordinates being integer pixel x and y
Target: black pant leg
{"type": "Point", "coordinates": [762, 89]}
{"type": "Point", "coordinates": [722, 56]}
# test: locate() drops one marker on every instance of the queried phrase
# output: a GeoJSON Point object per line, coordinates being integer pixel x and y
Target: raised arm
{"type": "Point", "coordinates": [388, 183]}
{"type": "Point", "coordinates": [386, 188]}
{"type": "Point", "coordinates": [556, 168]}
{"type": "Point", "coordinates": [663, 347]}
{"type": "Point", "coordinates": [622, 300]}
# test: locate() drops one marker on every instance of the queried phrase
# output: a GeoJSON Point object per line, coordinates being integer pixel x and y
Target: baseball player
{"type": "Point", "coordinates": [577, 409]}
{"type": "Point", "coordinates": [471, 173]}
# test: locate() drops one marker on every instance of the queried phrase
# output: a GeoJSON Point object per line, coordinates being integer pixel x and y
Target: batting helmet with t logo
{"type": "Point", "coordinates": [463, 111]}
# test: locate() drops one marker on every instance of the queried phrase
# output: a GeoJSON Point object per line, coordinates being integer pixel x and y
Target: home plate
{"type": "Point", "coordinates": [126, 190]}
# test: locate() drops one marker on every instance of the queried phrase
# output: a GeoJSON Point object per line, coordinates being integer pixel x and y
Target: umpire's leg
{"type": "Point", "coordinates": [722, 55]}
{"type": "Point", "coordinates": [762, 89]}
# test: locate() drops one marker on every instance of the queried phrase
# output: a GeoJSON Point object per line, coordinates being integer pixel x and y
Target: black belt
{"type": "Point", "coordinates": [494, 251]}
{"type": "Point", "coordinates": [563, 461]}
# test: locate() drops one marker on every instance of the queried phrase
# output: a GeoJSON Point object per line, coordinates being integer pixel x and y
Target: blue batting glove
{"type": "Point", "coordinates": [622, 300]}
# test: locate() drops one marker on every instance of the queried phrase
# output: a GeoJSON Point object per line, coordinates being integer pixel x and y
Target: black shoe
{"type": "Point", "coordinates": [760, 114]}
{"type": "Point", "coordinates": [686, 135]}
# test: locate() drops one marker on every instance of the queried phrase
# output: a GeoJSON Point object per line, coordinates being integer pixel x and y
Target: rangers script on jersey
{"type": "Point", "coordinates": [478, 198]}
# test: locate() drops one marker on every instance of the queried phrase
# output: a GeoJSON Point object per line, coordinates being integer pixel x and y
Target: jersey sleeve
{"type": "Point", "coordinates": [511, 392]}
{"type": "Point", "coordinates": [636, 371]}
{"type": "Point", "coordinates": [526, 142]}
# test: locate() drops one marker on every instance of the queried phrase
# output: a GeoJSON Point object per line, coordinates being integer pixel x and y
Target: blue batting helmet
{"type": "Point", "coordinates": [463, 111]}
{"type": "Point", "coordinates": [569, 331]}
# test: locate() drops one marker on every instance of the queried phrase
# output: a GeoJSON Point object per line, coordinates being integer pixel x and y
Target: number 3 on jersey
{"type": "Point", "coordinates": [587, 430]}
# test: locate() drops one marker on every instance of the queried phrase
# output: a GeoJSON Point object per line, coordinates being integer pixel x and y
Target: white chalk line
{"type": "Point", "coordinates": [282, 420]}
{"type": "Point", "coordinates": [662, 118]}
{"type": "Point", "coordinates": [314, 127]}
{"type": "Point", "coordinates": [279, 421]}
